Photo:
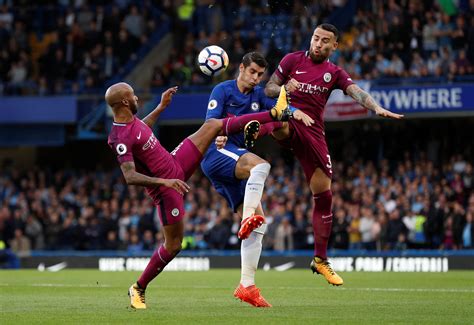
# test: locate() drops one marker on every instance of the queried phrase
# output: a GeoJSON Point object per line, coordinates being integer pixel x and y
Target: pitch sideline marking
{"type": "Point", "coordinates": [213, 287]}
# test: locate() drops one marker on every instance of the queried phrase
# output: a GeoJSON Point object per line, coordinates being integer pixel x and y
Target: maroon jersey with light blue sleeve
{"type": "Point", "coordinates": [317, 80]}
{"type": "Point", "coordinates": [136, 142]}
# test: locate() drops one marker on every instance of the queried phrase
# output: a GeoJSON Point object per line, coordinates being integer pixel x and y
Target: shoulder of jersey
{"type": "Point", "coordinates": [225, 84]}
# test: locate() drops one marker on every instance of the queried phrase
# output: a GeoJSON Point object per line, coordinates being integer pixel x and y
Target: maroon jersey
{"type": "Point", "coordinates": [316, 83]}
{"type": "Point", "coordinates": [136, 142]}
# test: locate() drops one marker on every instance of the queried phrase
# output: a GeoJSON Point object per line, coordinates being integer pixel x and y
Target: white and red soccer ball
{"type": "Point", "coordinates": [213, 60]}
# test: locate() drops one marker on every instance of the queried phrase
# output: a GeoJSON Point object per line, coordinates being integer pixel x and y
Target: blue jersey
{"type": "Point", "coordinates": [226, 100]}
{"type": "Point", "coordinates": [219, 164]}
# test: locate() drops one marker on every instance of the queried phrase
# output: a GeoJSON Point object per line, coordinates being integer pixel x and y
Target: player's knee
{"type": "Point", "coordinates": [262, 168]}
{"type": "Point", "coordinates": [212, 125]}
{"type": "Point", "coordinates": [173, 246]}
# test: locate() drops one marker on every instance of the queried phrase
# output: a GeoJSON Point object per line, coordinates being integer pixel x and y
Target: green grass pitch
{"type": "Point", "coordinates": [298, 297]}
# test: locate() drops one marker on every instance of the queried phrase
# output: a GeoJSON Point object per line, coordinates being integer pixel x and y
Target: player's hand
{"type": "Point", "coordinates": [178, 185]}
{"type": "Point", "coordinates": [292, 85]}
{"type": "Point", "coordinates": [302, 116]}
{"type": "Point", "coordinates": [386, 113]}
{"type": "Point", "coordinates": [221, 141]}
{"type": "Point", "coordinates": [167, 96]}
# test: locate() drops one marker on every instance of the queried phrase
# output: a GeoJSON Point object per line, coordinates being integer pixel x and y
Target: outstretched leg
{"type": "Point", "coordinates": [206, 134]}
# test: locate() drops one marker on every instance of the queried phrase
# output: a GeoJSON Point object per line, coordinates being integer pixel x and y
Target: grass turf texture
{"type": "Point", "coordinates": [298, 297]}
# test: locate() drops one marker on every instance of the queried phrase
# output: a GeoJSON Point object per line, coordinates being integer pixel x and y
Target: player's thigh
{"type": "Point", "coordinates": [282, 133]}
{"type": "Point", "coordinates": [206, 134]}
{"type": "Point", "coordinates": [319, 182]}
{"type": "Point", "coordinates": [245, 163]}
{"type": "Point", "coordinates": [233, 192]}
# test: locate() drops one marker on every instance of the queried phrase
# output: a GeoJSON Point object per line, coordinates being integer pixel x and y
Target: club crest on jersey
{"type": "Point", "coordinates": [254, 106]}
{"type": "Point", "coordinates": [327, 77]}
{"type": "Point", "coordinates": [175, 212]}
{"type": "Point", "coordinates": [121, 149]}
{"type": "Point", "coordinates": [212, 104]}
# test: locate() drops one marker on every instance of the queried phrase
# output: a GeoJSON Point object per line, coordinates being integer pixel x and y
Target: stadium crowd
{"type": "Point", "coordinates": [386, 40]}
{"type": "Point", "coordinates": [89, 42]}
{"type": "Point", "coordinates": [408, 204]}
{"type": "Point", "coordinates": [56, 47]}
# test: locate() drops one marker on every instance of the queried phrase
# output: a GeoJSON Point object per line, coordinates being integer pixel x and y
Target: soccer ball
{"type": "Point", "coordinates": [212, 60]}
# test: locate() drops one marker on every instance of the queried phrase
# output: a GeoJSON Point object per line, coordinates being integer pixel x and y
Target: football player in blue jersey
{"type": "Point", "coordinates": [238, 174]}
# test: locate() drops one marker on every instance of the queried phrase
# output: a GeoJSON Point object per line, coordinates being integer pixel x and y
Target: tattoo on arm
{"type": "Point", "coordinates": [362, 97]}
{"type": "Point", "coordinates": [132, 177]}
{"type": "Point", "coordinates": [272, 89]}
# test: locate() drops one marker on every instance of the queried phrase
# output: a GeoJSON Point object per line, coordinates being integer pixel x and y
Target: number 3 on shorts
{"type": "Point", "coordinates": [329, 164]}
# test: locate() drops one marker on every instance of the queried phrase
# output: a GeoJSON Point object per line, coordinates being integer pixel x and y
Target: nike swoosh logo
{"type": "Point", "coordinates": [300, 72]}
{"type": "Point", "coordinates": [233, 104]}
{"type": "Point", "coordinates": [52, 268]}
{"type": "Point", "coordinates": [284, 267]}
{"type": "Point", "coordinates": [139, 135]}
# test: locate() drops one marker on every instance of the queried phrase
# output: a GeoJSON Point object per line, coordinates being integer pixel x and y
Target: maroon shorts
{"type": "Point", "coordinates": [169, 202]}
{"type": "Point", "coordinates": [310, 149]}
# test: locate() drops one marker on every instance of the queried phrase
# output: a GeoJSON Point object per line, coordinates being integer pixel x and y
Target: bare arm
{"type": "Point", "coordinates": [364, 99]}
{"type": "Point", "coordinates": [272, 89]}
{"type": "Point", "coordinates": [132, 177]}
{"type": "Point", "coordinates": [166, 97]}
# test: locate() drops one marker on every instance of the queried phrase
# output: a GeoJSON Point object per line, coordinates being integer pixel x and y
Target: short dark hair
{"type": "Point", "coordinates": [256, 57]}
{"type": "Point", "coordinates": [330, 28]}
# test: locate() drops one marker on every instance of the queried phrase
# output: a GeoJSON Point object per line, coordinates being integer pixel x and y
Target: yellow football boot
{"type": "Point", "coordinates": [137, 297]}
{"type": "Point", "coordinates": [320, 266]}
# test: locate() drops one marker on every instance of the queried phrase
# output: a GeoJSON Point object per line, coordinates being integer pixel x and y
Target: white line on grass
{"type": "Point", "coordinates": [213, 287]}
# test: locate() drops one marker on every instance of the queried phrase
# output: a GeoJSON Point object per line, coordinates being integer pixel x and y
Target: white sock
{"type": "Point", "coordinates": [254, 188]}
{"type": "Point", "coordinates": [250, 251]}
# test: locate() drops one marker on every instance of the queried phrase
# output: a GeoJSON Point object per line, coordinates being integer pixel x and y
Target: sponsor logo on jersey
{"type": "Point", "coordinates": [212, 104]}
{"type": "Point", "coordinates": [151, 143]}
{"type": "Point", "coordinates": [175, 212]}
{"type": "Point", "coordinates": [312, 89]}
{"type": "Point", "coordinates": [121, 149]}
{"type": "Point", "coordinates": [327, 77]}
{"type": "Point", "coordinates": [255, 106]}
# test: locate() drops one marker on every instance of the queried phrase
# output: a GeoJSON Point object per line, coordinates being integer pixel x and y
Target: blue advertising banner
{"type": "Point", "coordinates": [186, 107]}
{"type": "Point", "coordinates": [38, 110]}
{"type": "Point", "coordinates": [426, 99]}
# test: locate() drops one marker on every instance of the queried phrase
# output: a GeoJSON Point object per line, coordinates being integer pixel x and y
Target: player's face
{"type": "Point", "coordinates": [132, 101]}
{"type": "Point", "coordinates": [252, 75]}
{"type": "Point", "coordinates": [322, 44]}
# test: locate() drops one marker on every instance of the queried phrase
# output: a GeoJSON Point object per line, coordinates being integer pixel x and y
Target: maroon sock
{"type": "Point", "coordinates": [268, 128]}
{"type": "Point", "coordinates": [158, 261]}
{"type": "Point", "coordinates": [322, 222]}
{"type": "Point", "coordinates": [235, 124]}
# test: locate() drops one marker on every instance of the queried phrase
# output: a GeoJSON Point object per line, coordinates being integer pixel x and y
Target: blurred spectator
{"type": "Point", "coordinates": [20, 244]}
{"type": "Point", "coordinates": [284, 236]}
{"type": "Point", "coordinates": [340, 234]}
